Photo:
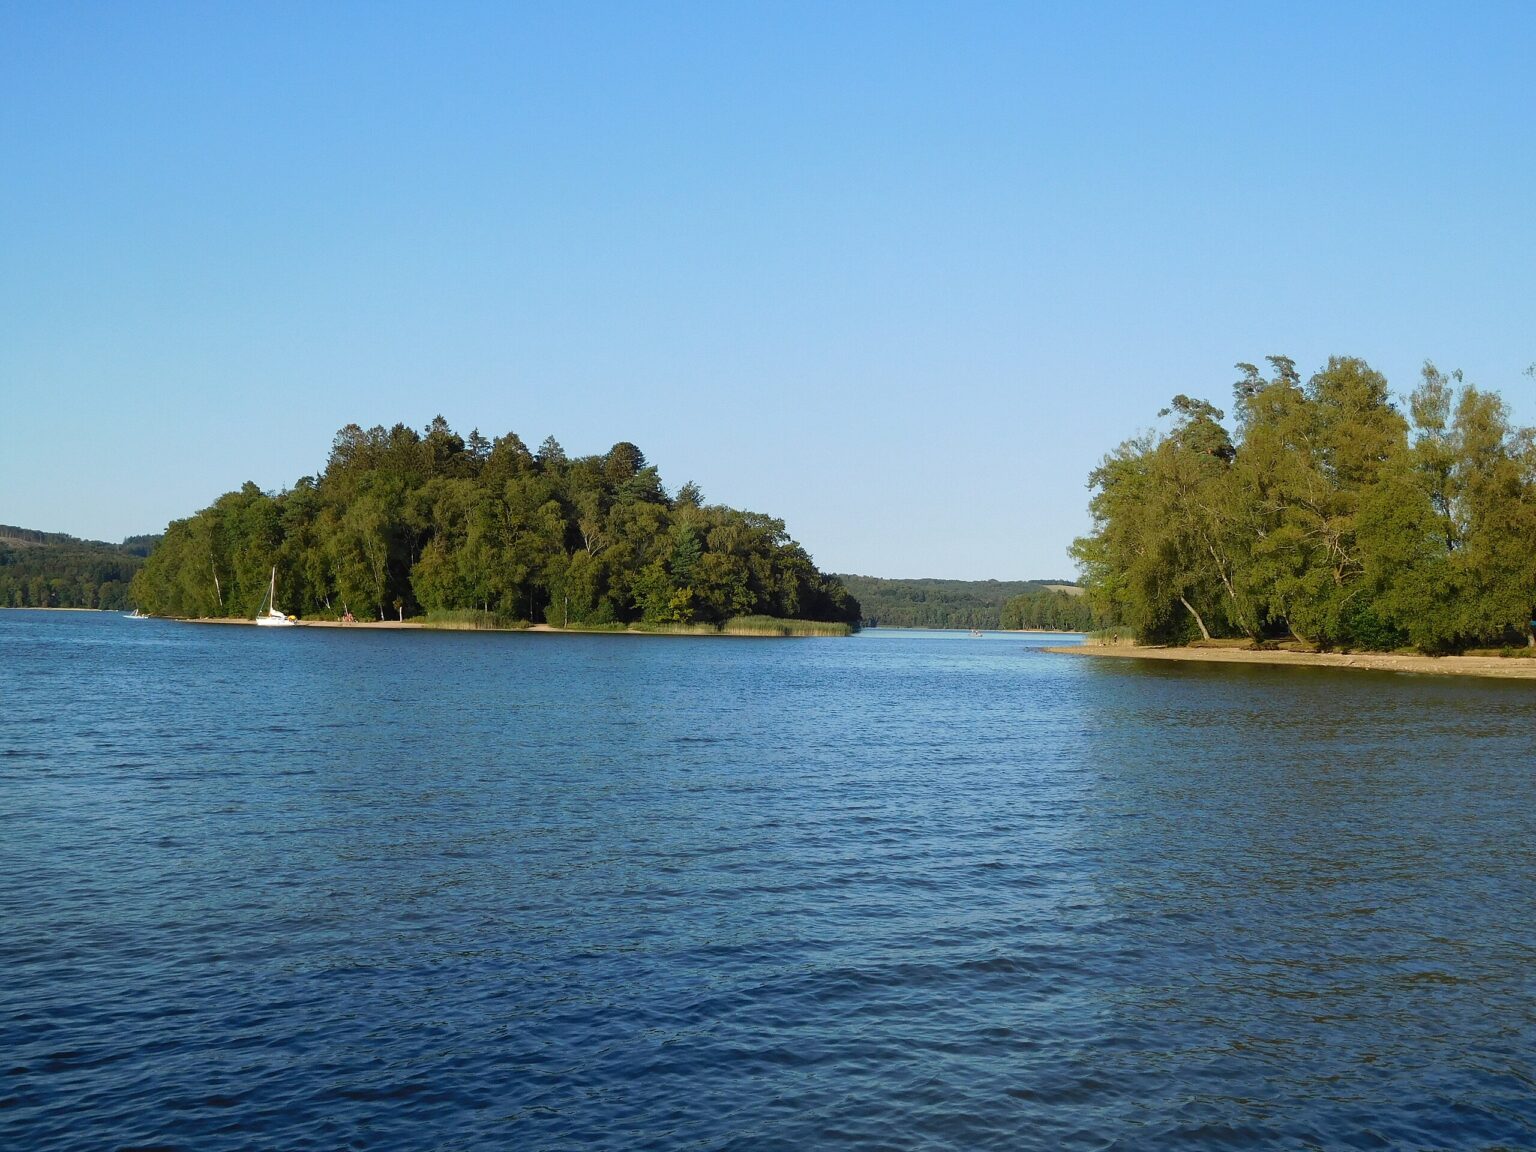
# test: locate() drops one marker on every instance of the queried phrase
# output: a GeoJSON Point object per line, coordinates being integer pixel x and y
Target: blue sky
{"type": "Point", "coordinates": [898, 273]}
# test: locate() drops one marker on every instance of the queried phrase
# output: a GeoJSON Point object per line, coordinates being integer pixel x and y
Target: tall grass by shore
{"type": "Point", "coordinates": [1115, 636]}
{"type": "Point", "coordinates": [471, 619]}
{"type": "Point", "coordinates": [750, 626]}
{"type": "Point", "coordinates": [769, 626]}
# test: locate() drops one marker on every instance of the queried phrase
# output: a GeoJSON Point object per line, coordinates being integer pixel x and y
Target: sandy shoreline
{"type": "Point", "coordinates": [384, 625]}
{"type": "Point", "coordinates": [549, 629]}
{"type": "Point", "coordinates": [13, 608]}
{"type": "Point", "coordinates": [1504, 668]}
{"type": "Point", "coordinates": [300, 623]}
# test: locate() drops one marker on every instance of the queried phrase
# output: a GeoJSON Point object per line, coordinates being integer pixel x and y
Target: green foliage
{"type": "Point", "coordinates": [1328, 515]}
{"type": "Point", "coordinates": [1114, 634]}
{"type": "Point", "coordinates": [772, 626]}
{"type": "Point", "coordinates": [936, 603]}
{"type": "Point", "coordinates": [749, 626]}
{"type": "Point", "coordinates": [407, 522]}
{"type": "Point", "coordinates": [54, 570]}
{"type": "Point", "coordinates": [469, 620]}
{"type": "Point", "coordinates": [1050, 608]}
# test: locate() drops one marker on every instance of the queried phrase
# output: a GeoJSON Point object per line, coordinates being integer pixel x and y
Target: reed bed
{"type": "Point", "coordinates": [1116, 636]}
{"type": "Point", "coordinates": [471, 620]}
{"type": "Point", "coordinates": [749, 626]}
{"type": "Point", "coordinates": [770, 626]}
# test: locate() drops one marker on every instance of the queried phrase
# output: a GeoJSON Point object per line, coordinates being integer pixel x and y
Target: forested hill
{"type": "Point", "coordinates": [401, 523]}
{"type": "Point", "coordinates": [1326, 511]}
{"type": "Point", "coordinates": [54, 570]}
{"type": "Point", "coordinates": [967, 603]}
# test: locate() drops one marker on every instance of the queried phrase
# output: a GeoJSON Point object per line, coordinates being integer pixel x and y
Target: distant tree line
{"type": "Point", "coordinates": [402, 522]}
{"type": "Point", "coordinates": [930, 603]}
{"type": "Point", "coordinates": [1327, 512]}
{"type": "Point", "coordinates": [54, 570]}
{"type": "Point", "coordinates": [1049, 608]}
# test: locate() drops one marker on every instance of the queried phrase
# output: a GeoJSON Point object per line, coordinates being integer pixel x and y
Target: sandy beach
{"type": "Point", "coordinates": [1508, 668]}
{"type": "Point", "coordinates": [428, 626]}
{"type": "Point", "coordinates": [385, 625]}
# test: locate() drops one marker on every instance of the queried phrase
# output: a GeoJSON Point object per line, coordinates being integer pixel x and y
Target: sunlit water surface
{"type": "Point", "coordinates": [312, 889]}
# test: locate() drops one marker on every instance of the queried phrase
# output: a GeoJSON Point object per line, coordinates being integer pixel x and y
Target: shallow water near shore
{"type": "Point", "coordinates": [315, 889]}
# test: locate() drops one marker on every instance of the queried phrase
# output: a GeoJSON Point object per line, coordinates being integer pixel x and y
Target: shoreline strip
{"type": "Point", "coordinates": [1494, 667]}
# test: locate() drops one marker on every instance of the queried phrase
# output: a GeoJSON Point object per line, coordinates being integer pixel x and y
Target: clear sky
{"type": "Point", "coordinates": [898, 273]}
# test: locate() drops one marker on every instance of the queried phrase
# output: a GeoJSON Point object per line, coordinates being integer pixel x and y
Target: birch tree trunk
{"type": "Point", "coordinates": [1203, 630]}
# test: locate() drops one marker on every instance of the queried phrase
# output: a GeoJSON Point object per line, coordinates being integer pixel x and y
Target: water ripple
{"type": "Point", "coordinates": [905, 892]}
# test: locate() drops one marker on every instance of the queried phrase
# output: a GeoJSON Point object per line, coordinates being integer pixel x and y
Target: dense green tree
{"type": "Point", "coordinates": [401, 521]}
{"type": "Point", "coordinates": [934, 603]}
{"type": "Point", "coordinates": [1051, 609]}
{"type": "Point", "coordinates": [54, 570]}
{"type": "Point", "coordinates": [1328, 515]}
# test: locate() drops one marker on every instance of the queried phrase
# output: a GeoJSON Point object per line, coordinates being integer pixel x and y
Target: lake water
{"type": "Point", "coordinates": [314, 889]}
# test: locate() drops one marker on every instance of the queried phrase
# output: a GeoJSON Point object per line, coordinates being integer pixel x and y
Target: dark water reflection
{"type": "Point", "coordinates": [1328, 880]}
{"type": "Point", "coordinates": [321, 890]}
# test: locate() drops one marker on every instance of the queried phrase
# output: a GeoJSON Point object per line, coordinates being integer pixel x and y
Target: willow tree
{"type": "Point", "coordinates": [1327, 516]}
{"type": "Point", "coordinates": [1307, 455]}
{"type": "Point", "coordinates": [1448, 529]}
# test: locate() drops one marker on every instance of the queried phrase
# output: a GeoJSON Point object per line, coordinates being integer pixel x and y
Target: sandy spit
{"type": "Point", "coordinates": [1494, 666]}
{"type": "Point", "coordinates": [385, 624]}
{"type": "Point", "coordinates": [398, 625]}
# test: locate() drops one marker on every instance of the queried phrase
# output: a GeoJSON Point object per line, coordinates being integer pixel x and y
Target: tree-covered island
{"type": "Point", "coordinates": [1325, 513]}
{"type": "Point", "coordinates": [403, 523]}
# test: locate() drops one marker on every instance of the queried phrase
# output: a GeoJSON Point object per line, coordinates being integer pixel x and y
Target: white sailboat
{"type": "Point", "coordinates": [272, 618]}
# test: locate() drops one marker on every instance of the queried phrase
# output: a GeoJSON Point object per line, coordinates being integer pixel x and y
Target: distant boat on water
{"type": "Point", "coordinates": [272, 618]}
{"type": "Point", "coordinates": [135, 615]}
